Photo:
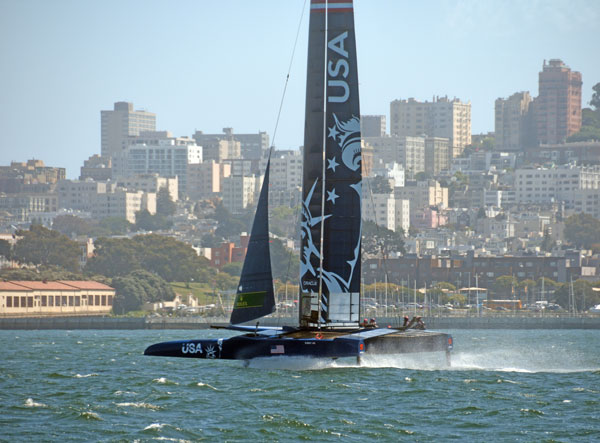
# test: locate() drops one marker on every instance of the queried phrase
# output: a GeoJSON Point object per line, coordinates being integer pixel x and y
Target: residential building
{"type": "Point", "coordinates": [380, 209]}
{"type": "Point", "coordinates": [240, 191]}
{"type": "Point", "coordinates": [393, 171]}
{"type": "Point", "coordinates": [205, 179]}
{"type": "Point", "coordinates": [557, 108]}
{"type": "Point", "coordinates": [78, 194]}
{"type": "Point", "coordinates": [118, 125]}
{"type": "Point", "coordinates": [442, 117]}
{"type": "Point", "coordinates": [373, 126]}
{"type": "Point", "coordinates": [151, 182]}
{"type": "Point", "coordinates": [437, 155]}
{"type": "Point", "coordinates": [406, 151]}
{"type": "Point", "coordinates": [97, 168]}
{"type": "Point", "coordinates": [513, 124]}
{"type": "Point", "coordinates": [161, 153]}
{"type": "Point", "coordinates": [247, 146]}
{"type": "Point", "coordinates": [20, 206]}
{"type": "Point", "coordinates": [122, 204]}
{"type": "Point", "coordinates": [422, 194]}
{"type": "Point", "coordinates": [286, 170]}
{"type": "Point", "coordinates": [31, 176]}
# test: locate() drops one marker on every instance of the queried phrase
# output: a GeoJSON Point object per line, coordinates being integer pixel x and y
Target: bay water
{"type": "Point", "coordinates": [503, 385]}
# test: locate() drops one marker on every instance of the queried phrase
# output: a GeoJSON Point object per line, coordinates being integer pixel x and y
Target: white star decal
{"type": "Point", "coordinates": [332, 164]}
{"type": "Point", "coordinates": [331, 196]}
{"type": "Point", "coordinates": [333, 132]}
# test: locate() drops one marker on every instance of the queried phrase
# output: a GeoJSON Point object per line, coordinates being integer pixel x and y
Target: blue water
{"type": "Point", "coordinates": [97, 386]}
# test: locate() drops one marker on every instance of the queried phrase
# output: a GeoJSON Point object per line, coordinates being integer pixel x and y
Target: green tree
{"type": "Point", "coordinates": [137, 288]}
{"type": "Point", "coordinates": [42, 246]}
{"type": "Point", "coordinates": [164, 205]}
{"type": "Point", "coordinates": [71, 225]}
{"type": "Point", "coordinates": [233, 269]}
{"type": "Point", "coordinates": [147, 222]}
{"type": "Point", "coordinates": [380, 185]}
{"type": "Point", "coordinates": [114, 257]}
{"type": "Point", "coordinates": [379, 240]}
{"type": "Point", "coordinates": [585, 297]}
{"type": "Point", "coordinates": [114, 226]}
{"type": "Point", "coordinates": [284, 262]}
{"type": "Point", "coordinates": [595, 101]}
{"type": "Point", "coordinates": [582, 230]}
{"type": "Point", "coordinates": [5, 249]}
{"type": "Point", "coordinates": [504, 286]}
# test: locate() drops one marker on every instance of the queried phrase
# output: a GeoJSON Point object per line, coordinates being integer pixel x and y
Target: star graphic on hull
{"type": "Point", "coordinates": [331, 196]}
{"type": "Point", "coordinates": [333, 132]}
{"type": "Point", "coordinates": [332, 164]}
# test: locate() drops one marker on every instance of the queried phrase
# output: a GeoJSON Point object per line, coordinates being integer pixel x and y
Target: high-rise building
{"type": "Point", "coordinates": [557, 109]}
{"type": "Point", "coordinates": [437, 155]}
{"type": "Point", "coordinates": [513, 126]}
{"type": "Point", "coordinates": [97, 168]}
{"type": "Point", "coordinates": [118, 125]}
{"type": "Point", "coordinates": [406, 151]}
{"type": "Point", "coordinates": [161, 153]}
{"type": "Point", "coordinates": [230, 145]}
{"type": "Point", "coordinates": [373, 125]}
{"type": "Point", "coordinates": [440, 118]}
{"type": "Point", "coordinates": [204, 179]}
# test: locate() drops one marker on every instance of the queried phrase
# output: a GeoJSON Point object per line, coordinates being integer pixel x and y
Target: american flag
{"type": "Point", "coordinates": [277, 349]}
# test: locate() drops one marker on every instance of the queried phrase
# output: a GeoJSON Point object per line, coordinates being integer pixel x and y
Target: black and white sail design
{"type": "Point", "coordinates": [331, 191]}
{"type": "Point", "coordinates": [255, 297]}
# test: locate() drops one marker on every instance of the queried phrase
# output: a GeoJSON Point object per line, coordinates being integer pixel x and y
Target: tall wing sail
{"type": "Point", "coordinates": [255, 297]}
{"type": "Point", "coordinates": [331, 191]}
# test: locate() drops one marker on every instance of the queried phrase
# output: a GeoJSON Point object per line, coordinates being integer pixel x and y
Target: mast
{"type": "Point", "coordinates": [332, 178]}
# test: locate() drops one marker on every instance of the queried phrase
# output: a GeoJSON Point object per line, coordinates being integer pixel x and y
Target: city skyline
{"type": "Point", "coordinates": [193, 65]}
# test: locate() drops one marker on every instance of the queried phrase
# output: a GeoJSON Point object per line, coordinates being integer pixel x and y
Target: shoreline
{"type": "Point", "coordinates": [134, 323]}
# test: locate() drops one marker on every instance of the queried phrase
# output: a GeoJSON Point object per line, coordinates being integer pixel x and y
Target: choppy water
{"type": "Point", "coordinates": [97, 386]}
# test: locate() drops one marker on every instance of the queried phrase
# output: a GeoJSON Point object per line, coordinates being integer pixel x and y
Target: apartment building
{"type": "Point", "coordinates": [406, 151]}
{"type": "Point", "coordinates": [205, 179]}
{"type": "Point", "coordinates": [514, 128]}
{"type": "Point", "coordinates": [373, 125]}
{"type": "Point", "coordinates": [150, 183]}
{"type": "Point", "coordinates": [120, 124]}
{"type": "Point", "coordinates": [230, 145]}
{"type": "Point", "coordinates": [442, 117]}
{"type": "Point", "coordinates": [122, 203]}
{"type": "Point", "coordinates": [557, 108]}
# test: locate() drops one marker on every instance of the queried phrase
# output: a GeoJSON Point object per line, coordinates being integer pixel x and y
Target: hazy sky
{"type": "Point", "coordinates": [205, 65]}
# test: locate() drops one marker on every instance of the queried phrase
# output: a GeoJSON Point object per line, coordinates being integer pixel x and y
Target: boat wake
{"type": "Point", "coordinates": [492, 361]}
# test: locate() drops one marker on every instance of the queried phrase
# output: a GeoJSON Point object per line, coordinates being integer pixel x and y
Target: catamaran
{"type": "Point", "coordinates": [329, 323]}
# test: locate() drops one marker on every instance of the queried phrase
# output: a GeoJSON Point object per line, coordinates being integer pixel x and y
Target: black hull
{"type": "Point", "coordinates": [311, 344]}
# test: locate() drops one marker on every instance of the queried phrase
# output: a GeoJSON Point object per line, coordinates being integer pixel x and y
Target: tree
{"type": "Point", "coordinates": [114, 226]}
{"type": "Point", "coordinates": [71, 225]}
{"type": "Point", "coordinates": [234, 269]}
{"type": "Point", "coordinates": [164, 205]}
{"type": "Point", "coordinates": [114, 257]}
{"type": "Point", "coordinates": [147, 222]}
{"type": "Point", "coordinates": [137, 288]}
{"type": "Point", "coordinates": [583, 294]}
{"type": "Point", "coordinates": [42, 246]}
{"type": "Point", "coordinates": [380, 185]}
{"type": "Point", "coordinates": [284, 262]}
{"type": "Point", "coordinates": [581, 230]}
{"type": "Point", "coordinates": [547, 243]}
{"type": "Point", "coordinates": [377, 239]}
{"type": "Point", "coordinates": [595, 101]}
{"type": "Point", "coordinates": [504, 286]}
{"type": "Point", "coordinates": [5, 249]}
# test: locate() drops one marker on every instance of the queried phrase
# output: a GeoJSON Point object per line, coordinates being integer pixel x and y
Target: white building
{"type": "Point", "coordinates": [577, 186]}
{"type": "Point", "coordinates": [122, 204]}
{"type": "Point", "coordinates": [392, 171]}
{"type": "Point", "coordinates": [150, 183]}
{"type": "Point", "coordinates": [240, 191]}
{"type": "Point", "coordinates": [380, 209]}
{"type": "Point", "coordinates": [158, 152]}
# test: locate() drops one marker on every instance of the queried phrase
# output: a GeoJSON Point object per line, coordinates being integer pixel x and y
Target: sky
{"type": "Point", "coordinates": [205, 65]}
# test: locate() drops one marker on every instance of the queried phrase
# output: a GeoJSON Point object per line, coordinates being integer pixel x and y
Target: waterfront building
{"type": "Point", "coordinates": [557, 108]}
{"type": "Point", "coordinates": [442, 117]}
{"type": "Point", "coordinates": [120, 124]}
{"type": "Point", "coordinates": [59, 298]}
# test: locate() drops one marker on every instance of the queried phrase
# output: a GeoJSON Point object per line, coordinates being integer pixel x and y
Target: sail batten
{"type": "Point", "coordinates": [331, 191]}
{"type": "Point", "coordinates": [255, 297]}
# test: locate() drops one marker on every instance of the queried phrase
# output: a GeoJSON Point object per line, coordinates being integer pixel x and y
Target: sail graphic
{"type": "Point", "coordinates": [255, 297]}
{"type": "Point", "coordinates": [331, 191]}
